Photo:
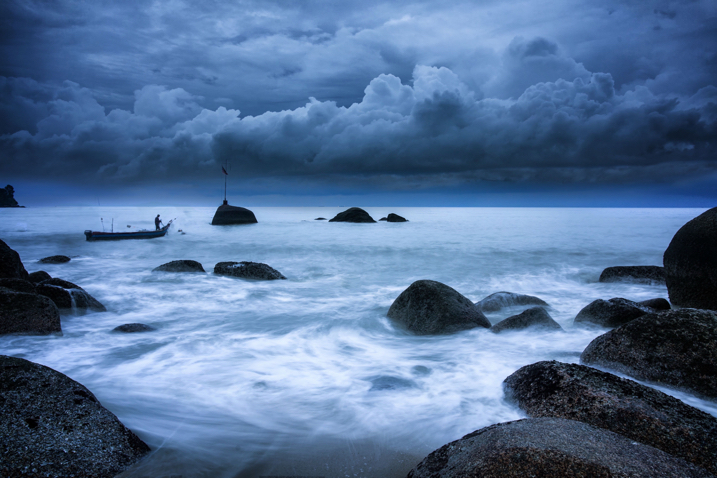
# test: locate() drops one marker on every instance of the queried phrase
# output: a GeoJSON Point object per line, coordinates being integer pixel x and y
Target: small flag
{"type": "Point", "coordinates": [225, 171]}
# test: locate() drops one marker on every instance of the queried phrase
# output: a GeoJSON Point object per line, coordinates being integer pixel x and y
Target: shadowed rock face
{"type": "Point", "coordinates": [647, 274]}
{"type": "Point", "coordinates": [677, 348]}
{"type": "Point", "coordinates": [54, 260]}
{"type": "Point", "coordinates": [227, 215]}
{"type": "Point", "coordinates": [55, 425]}
{"type": "Point", "coordinates": [499, 300]}
{"type": "Point", "coordinates": [7, 197]}
{"type": "Point", "coordinates": [38, 276]}
{"type": "Point", "coordinates": [18, 285]}
{"type": "Point", "coordinates": [248, 270]}
{"type": "Point", "coordinates": [691, 263]}
{"type": "Point", "coordinates": [354, 214]}
{"type": "Point", "coordinates": [428, 307]}
{"type": "Point", "coordinates": [658, 304]}
{"type": "Point", "coordinates": [611, 313]}
{"type": "Point", "coordinates": [577, 392]}
{"type": "Point", "coordinates": [183, 265]}
{"type": "Point", "coordinates": [24, 313]}
{"type": "Point", "coordinates": [550, 447]}
{"type": "Point", "coordinates": [533, 317]}
{"type": "Point", "coordinates": [10, 264]}
{"type": "Point", "coordinates": [67, 295]}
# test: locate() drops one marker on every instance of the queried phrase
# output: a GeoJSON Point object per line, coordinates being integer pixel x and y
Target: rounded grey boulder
{"type": "Point", "coordinates": [499, 300]}
{"type": "Point", "coordinates": [354, 214]}
{"type": "Point", "coordinates": [648, 274]}
{"type": "Point", "coordinates": [227, 215]}
{"type": "Point", "coordinates": [183, 265]}
{"type": "Point", "coordinates": [395, 218]}
{"type": "Point", "coordinates": [533, 317]}
{"type": "Point", "coordinates": [248, 270]}
{"type": "Point", "coordinates": [611, 313]}
{"type": "Point", "coordinates": [428, 307]}
{"type": "Point", "coordinates": [54, 260]}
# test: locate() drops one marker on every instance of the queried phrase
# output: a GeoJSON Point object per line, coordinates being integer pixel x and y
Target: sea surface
{"type": "Point", "coordinates": [307, 376]}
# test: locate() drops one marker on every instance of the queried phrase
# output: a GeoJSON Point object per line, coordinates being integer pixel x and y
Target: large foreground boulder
{"type": "Point", "coordinates": [551, 447]}
{"type": "Point", "coordinates": [534, 317]}
{"type": "Point", "coordinates": [227, 215]}
{"type": "Point", "coordinates": [677, 348]}
{"type": "Point", "coordinates": [428, 307]}
{"type": "Point", "coordinates": [10, 264]}
{"type": "Point", "coordinates": [68, 296]}
{"type": "Point", "coordinates": [651, 417]}
{"type": "Point", "coordinates": [51, 425]}
{"type": "Point", "coordinates": [183, 265]}
{"type": "Point", "coordinates": [611, 313]}
{"type": "Point", "coordinates": [248, 270]}
{"type": "Point", "coordinates": [27, 313]}
{"type": "Point", "coordinates": [354, 214]}
{"type": "Point", "coordinates": [691, 263]}
{"type": "Point", "coordinates": [642, 274]}
{"type": "Point", "coordinates": [499, 300]}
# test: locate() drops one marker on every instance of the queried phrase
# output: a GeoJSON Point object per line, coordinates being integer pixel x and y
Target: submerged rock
{"type": "Point", "coordinates": [395, 218]}
{"type": "Point", "coordinates": [51, 425]}
{"type": "Point", "coordinates": [499, 300]}
{"type": "Point", "coordinates": [647, 274]}
{"type": "Point", "coordinates": [388, 382]}
{"type": "Point", "coordinates": [550, 447]}
{"type": "Point", "coordinates": [248, 270]}
{"type": "Point", "coordinates": [611, 313]}
{"type": "Point", "coordinates": [38, 276]}
{"type": "Point", "coordinates": [354, 214]}
{"type": "Point", "coordinates": [183, 265]}
{"type": "Point", "coordinates": [533, 317]}
{"type": "Point", "coordinates": [133, 328]}
{"type": "Point", "coordinates": [320, 219]}
{"type": "Point", "coordinates": [54, 260]}
{"type": "Point", "coordinates": [677, 348]}
{"type": "Point", "coordinates": [651, 417]}
{"type": "Point", "coordinates": [428, 307]}
{"type": "Point", "coordinates": [10, 264]}
{"type": "Point", "coordinates": [691, 263]}
{"type": "Point", "coordinates": [227, 215]}
{"type": "Point", "coordinates": [27, 313]}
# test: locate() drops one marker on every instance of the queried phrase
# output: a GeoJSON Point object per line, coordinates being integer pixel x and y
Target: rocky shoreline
{"type": "Point", "coordinates": [583, 420]}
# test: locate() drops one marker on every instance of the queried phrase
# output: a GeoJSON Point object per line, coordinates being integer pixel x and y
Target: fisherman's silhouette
{"type": "Point", "coordinates": [157, 222]}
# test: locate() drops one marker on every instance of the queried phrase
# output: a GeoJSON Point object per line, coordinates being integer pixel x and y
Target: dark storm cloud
{"type": "Point", "coordinates": [404, 95]}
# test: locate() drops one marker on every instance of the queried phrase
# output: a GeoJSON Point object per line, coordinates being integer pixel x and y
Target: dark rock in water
{"type": "Point", "coordinates": [54, 425]}
{"type": "Point", "coordinates": [387, 382]}
{"type": "Point", "coordinates": [691, 263]}
{"type": "Point", "coordinates": [428, 307]}
{"type": "Point", "coordinates": [383, 219]}
{"type": "Point", "coordinates": [54, 260]}
{"type": "Point", "coordinates": [657, 304]}
{"type": "Point", "coordinates": [131, 328]}
{"type": "Point", "coordinates": [18, 285]}
{"type": "Point", "coordinates": [354, 214]}
{"type": "Point", "coordinates": [551, 447]}
{"type": "Point", "coordinates": [533, 317]}
{"type": "Point", "coordinates": [7, 197]}
{"type": "Point", "coordinates": [677, 348]}
{"type": "Point", "coordinates": [497, 301]}
{"type": "Point", "coordinates": [320, 219]}
{"type": "Point", "coordinates": [38, 276]}
{"type": "Point", "coordinates": [23, 313]}
{"type": "Point", "coordinates": [65, 284]}
{"type": "Point", "coordinates": [611, 313]}
{"type": "Point", "coordinates": [646, 415]}
{"type": "Point", "coordinates": [395, 218]}
{"type": "Point", "coordinates": [10, 264]}
{"type": "Point", "coordinates": [69, 296]}
{"type": "Point", "coordinates": [227, 215]}
{"type": "Point", "coordinates": [183, 265]}
{"type": "Point", "coordinates": [633, 274]}
{"type": "Point", "coordinates": [248, 270]}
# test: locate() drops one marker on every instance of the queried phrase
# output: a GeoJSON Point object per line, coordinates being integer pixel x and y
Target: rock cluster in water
{"type": "Point", "coordinates": [227, 215]}
{"type": "Point", "coordinates": [7, 197]}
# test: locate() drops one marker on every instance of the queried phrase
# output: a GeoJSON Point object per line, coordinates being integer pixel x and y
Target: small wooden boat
{"type": "Point", "coordinates": [145, 234]}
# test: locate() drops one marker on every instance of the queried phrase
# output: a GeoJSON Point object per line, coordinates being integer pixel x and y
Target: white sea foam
{"type": "Point", "coordinates": [307, 376]}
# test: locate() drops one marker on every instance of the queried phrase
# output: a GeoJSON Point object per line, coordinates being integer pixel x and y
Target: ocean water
{"type": "Point", "coordinates": [307, 376]}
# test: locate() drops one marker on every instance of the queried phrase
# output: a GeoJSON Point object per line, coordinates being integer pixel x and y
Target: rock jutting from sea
{"type": "Point", "coordinates": [354, 214]}
{"type": "Point", "coordinates": [7, 197]}
{"type": "Point", "coordinates": [182, 265]}
{"type": "Point", "coordinates": [227, 215]}
{"type": "Point", "coordinates": [248, 270]}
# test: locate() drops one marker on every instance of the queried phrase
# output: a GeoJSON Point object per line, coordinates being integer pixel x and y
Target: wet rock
{"type": "Point", "coordinates": [354, 214]}
{"type": "Point", "coordinates": [388, 382]}
{"type": "Point", "coordinates": [248, 270]}
{"type": "Point", "coordinates": [656, 304]}
{"type": "Point", "coordinates": [643, 274]}
{"type": "Point", "coordinates": [25, 313]}
{"type": "Point", "coordinates": [533, 317]}
{"type": "Point", "coordinates": [428, 307]}
{"type": "Point", "coordinates": [10, 264]}
{"type": "Point", "coordinates": [69, 296]}
{"type": "Point", "coordinates": [611, 313]}
{"type": "Point", "coordinates": [18, 285]}
{"type": "Point", "coordinates": [395, 218]}
{"type": "Point", "coordinates": [132, 328]}
{"type": "Point", "coordinates": [677, 348]}
{"type": "Point", "coordinates": [227, 215]}
{"type": "Point", "coordinates": [499, 300]}
{"type": "Point", "coordinates": [550, 447]}
{"type": "Point", "coordinates": [65, 284]}
{"type": "Point", "coordinates": [183, 265]}
{"type": "Point", "coordinates": [38, 276]}
{"type": "Point", "coordinates": [54, 260]}
{"type": "Point", "coordinates": [651, 417]}
{"type": "Point", "coordinates": [383, 219]}
{"type": "Point", "coordinates": [54, 425]}
{"type": "Point", "coordinates": [691, 263]}
{"type": "Point", "coordinates": [320, 219]}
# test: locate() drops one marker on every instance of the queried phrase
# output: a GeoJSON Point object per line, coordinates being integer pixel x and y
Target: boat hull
{"type": "Point", "coordinates": [112, 236]}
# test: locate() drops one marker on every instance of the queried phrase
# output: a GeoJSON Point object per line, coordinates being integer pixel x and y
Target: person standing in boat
{"type": "Point", "coordinates": [157, 222]}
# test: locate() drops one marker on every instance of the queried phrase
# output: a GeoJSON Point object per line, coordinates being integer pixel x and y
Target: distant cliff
{"type": "Point", "coordinates": [6, 197]}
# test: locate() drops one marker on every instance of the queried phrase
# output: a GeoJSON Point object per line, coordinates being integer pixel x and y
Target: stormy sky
{"type": "Point", "coordinates": [317, 102]}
